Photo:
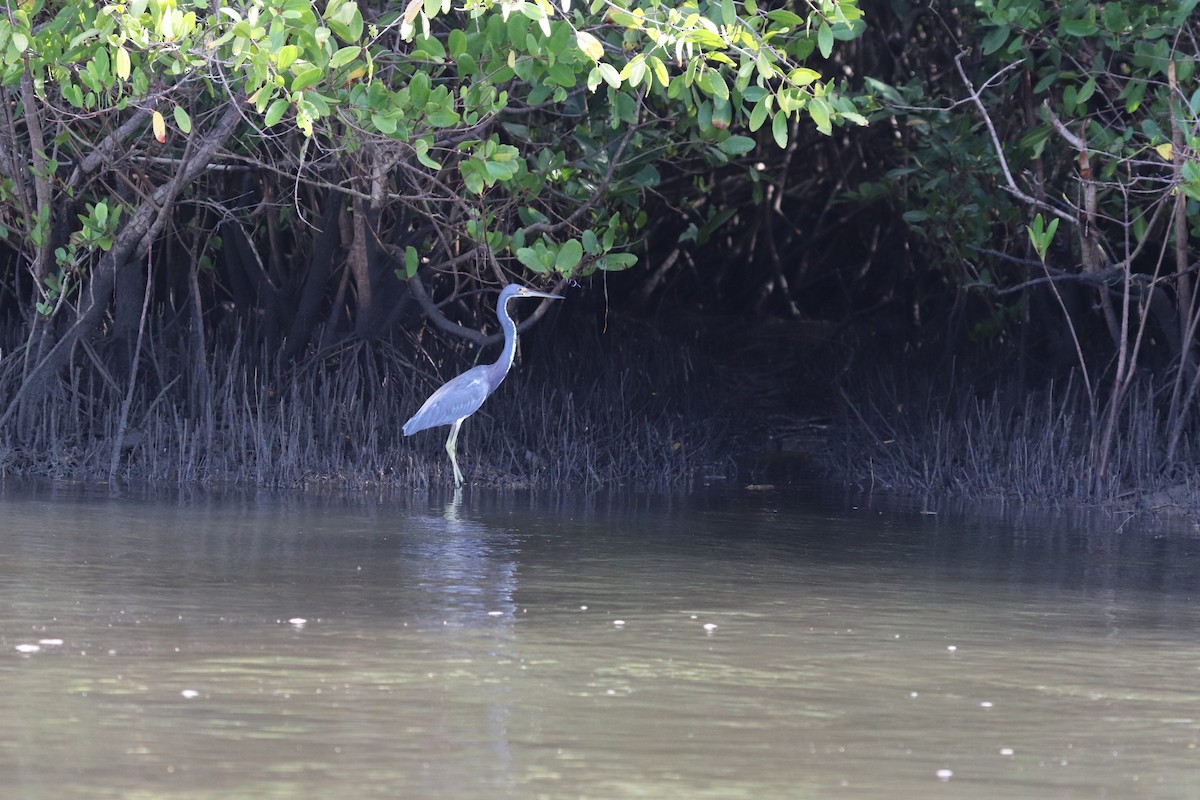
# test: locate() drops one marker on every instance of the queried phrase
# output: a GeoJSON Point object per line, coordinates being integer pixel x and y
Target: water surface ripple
{"type": "Point", "coordinates": [734, 645]}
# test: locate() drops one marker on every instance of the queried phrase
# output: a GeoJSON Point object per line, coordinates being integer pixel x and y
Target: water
{"type": "Point", "coordinates": [756, 645]}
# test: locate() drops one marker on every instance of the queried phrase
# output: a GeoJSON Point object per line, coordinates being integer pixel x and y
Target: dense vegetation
{"type": "Point", "coordinates": [212, 209]}
{"type": "Point", "coordinates": [229, 228]}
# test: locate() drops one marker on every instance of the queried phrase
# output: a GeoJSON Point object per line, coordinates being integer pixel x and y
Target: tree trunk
{"type": "Point", "coordinates": [320, 266]}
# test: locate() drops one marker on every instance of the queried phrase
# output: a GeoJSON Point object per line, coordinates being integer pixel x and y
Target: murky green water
{"type": "Point", "coordinates": [746, 645]}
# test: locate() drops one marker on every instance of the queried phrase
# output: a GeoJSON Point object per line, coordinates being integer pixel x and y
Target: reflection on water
{"type": "Point", "coordinates": [765, 645]}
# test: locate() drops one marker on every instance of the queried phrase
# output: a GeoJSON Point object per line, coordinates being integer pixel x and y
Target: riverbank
{"type": "Point", "coordinates": [657, 409]}
{"type": "Point", "coordinates": [1042, 447]}
{"type": "Point", "coordinates": [574, 413]}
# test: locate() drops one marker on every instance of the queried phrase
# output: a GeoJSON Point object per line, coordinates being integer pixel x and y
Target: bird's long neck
{"type": "Point", "coordinates": [498, 370]}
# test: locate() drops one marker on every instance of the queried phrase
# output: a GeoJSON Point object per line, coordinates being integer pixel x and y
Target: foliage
{"type": "Point", "coordinates": [301, 171]}
{"type": "Point", "coordinates": [1087, 115]}
{"type": "Point", "coordinates": [518, 131]}
{"type": "Point", "coordinates": [1112, 85]}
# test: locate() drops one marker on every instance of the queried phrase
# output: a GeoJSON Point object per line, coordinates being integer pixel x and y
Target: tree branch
{"type": "Point", "coordinates": [1010, 183]}
{"type": "Point", "coordinates": [440, 321]}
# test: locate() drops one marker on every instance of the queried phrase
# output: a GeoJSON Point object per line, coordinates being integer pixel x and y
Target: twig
{"type": "Point", "coordinates": [1010, 183]}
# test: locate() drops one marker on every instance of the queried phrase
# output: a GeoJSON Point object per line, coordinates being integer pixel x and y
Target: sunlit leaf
{"type": "Point", "coordinates": [306, 77]}
{"type": "Point", "coordinates": [803, 76]}
{"type": "Point", "coordinates": [589, 45]}
{"type": "Point", "coordinates": [779, 129]}
{"type": "Point", "coordinates": [286, 56]}
{"type": "Point", "coordinates": [660, 70]}
{"type": "Point", "coordinates": [344, 56]}
{"type": "Point", "coordinates": [123, 63]}
{"type": "Point", "coordinates": [818, 110]}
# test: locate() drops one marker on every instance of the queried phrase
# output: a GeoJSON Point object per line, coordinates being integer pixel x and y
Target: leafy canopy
{"type": "Point", "coordinates": [514, 131]}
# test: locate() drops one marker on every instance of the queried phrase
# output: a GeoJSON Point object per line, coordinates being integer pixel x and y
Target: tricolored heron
{"type": "Point", "coordinates": [462, 396]}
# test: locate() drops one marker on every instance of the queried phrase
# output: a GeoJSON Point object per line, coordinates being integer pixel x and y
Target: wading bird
{"type": "Point", "coordinates": [462, 396]}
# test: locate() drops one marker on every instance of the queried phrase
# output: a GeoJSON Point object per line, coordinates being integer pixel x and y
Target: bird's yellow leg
{"type": "Point", "coordinates": [451, 443]}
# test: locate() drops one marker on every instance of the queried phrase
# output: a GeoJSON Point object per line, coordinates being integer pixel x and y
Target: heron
{"type": "Point", "coordinates": [462, 396]}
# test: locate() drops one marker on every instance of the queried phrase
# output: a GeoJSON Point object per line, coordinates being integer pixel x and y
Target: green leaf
{"type": "Point", "coordinates": [306, 77]}
{"type": "Point", "coordinates": [1041, 235]}
{"type": "Point", "coordinates": [474, 182]}
{"type": "Point", "coordinates": [779, 129]}
{"type": "Point", "coordinates": [421, 146]}
{"type": "Point", "coordinates": [660, 71]}
{"type": "Point", "coordinates": [411, 261]}
{"type": "Point", "coordinates": [347, 23]}
{"type": "Point", "coordinates": [418, 89]}
{"type": "Point", "coordinates": [442, 118]}
{"type": "Point", "coordinates": [457, 44]}
{"type": "Point", "coordinates": [1087, 90]}
{"type": "Point", "coordinates": [719, 89]}
{"type": "Point", "coordinates": [825, 40]}
{"type": "Point", "coordinates": [344, 56]}
{"type": "Point", "coordinates": [384, 123]}
{"type": "Point", "coordinates": [634, 70]}
{"type": "Point", "coordinates": [1080, 27]}
{"type": "Point", "coordinates": [1046, 81]}
{"type": "Point", "coordinates": [569, 256]}
{"type": "Point", "coordinates": [784, 17]}
{"type": "Point", "coordinates": [286, 56]}
{"type": "Point", "coordinates": [737, 145]}
{"type": "Point", "coordinates": [728, 13]}
{"type": "Point", "coordinates": [499, 172]}
{"type": "Point", "coordinates": [759, 115]}
{"type": "Point", "coordinates": [591, 244]}
{"type": "Point", "coordinates": [73, 94]}
{"type": "Point", "coordinates": [803, 76]}
{"type": "Point", "coordinates": [528, 256]}
{"type": "Point", "coordinates": [610, 75]}
{"type": "Point", "coordinates": [995, 40]}
{"type": "Point", "coordinates": [1114, 17]}
{"type": "Point", "coordinates": [818, 109]}
{"type": "Point", "coordinates": [615, 262]}
{"type": "Point", "coordinates": [431, 46]}
{"type": "Point", "coordinates": [275, 112]}
{"type": "Point", "coordinates": [182, 119]}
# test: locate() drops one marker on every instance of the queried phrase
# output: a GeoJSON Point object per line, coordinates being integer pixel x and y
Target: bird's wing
{"type": "Point", "coordinates": [458, 398]}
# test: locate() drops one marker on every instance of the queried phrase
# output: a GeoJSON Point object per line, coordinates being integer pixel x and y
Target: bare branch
{"type": "Point", "coordinates": [434, 312]}
{"type": "Point", "coordinates": [1010, 183]}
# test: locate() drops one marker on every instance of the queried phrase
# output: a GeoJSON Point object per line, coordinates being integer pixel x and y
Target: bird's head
{"type": "Point", "coordinates": [513, 290]}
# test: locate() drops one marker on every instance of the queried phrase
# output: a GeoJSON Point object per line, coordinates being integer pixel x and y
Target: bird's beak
{"type": "Point", "coordinates": [535, 293]}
